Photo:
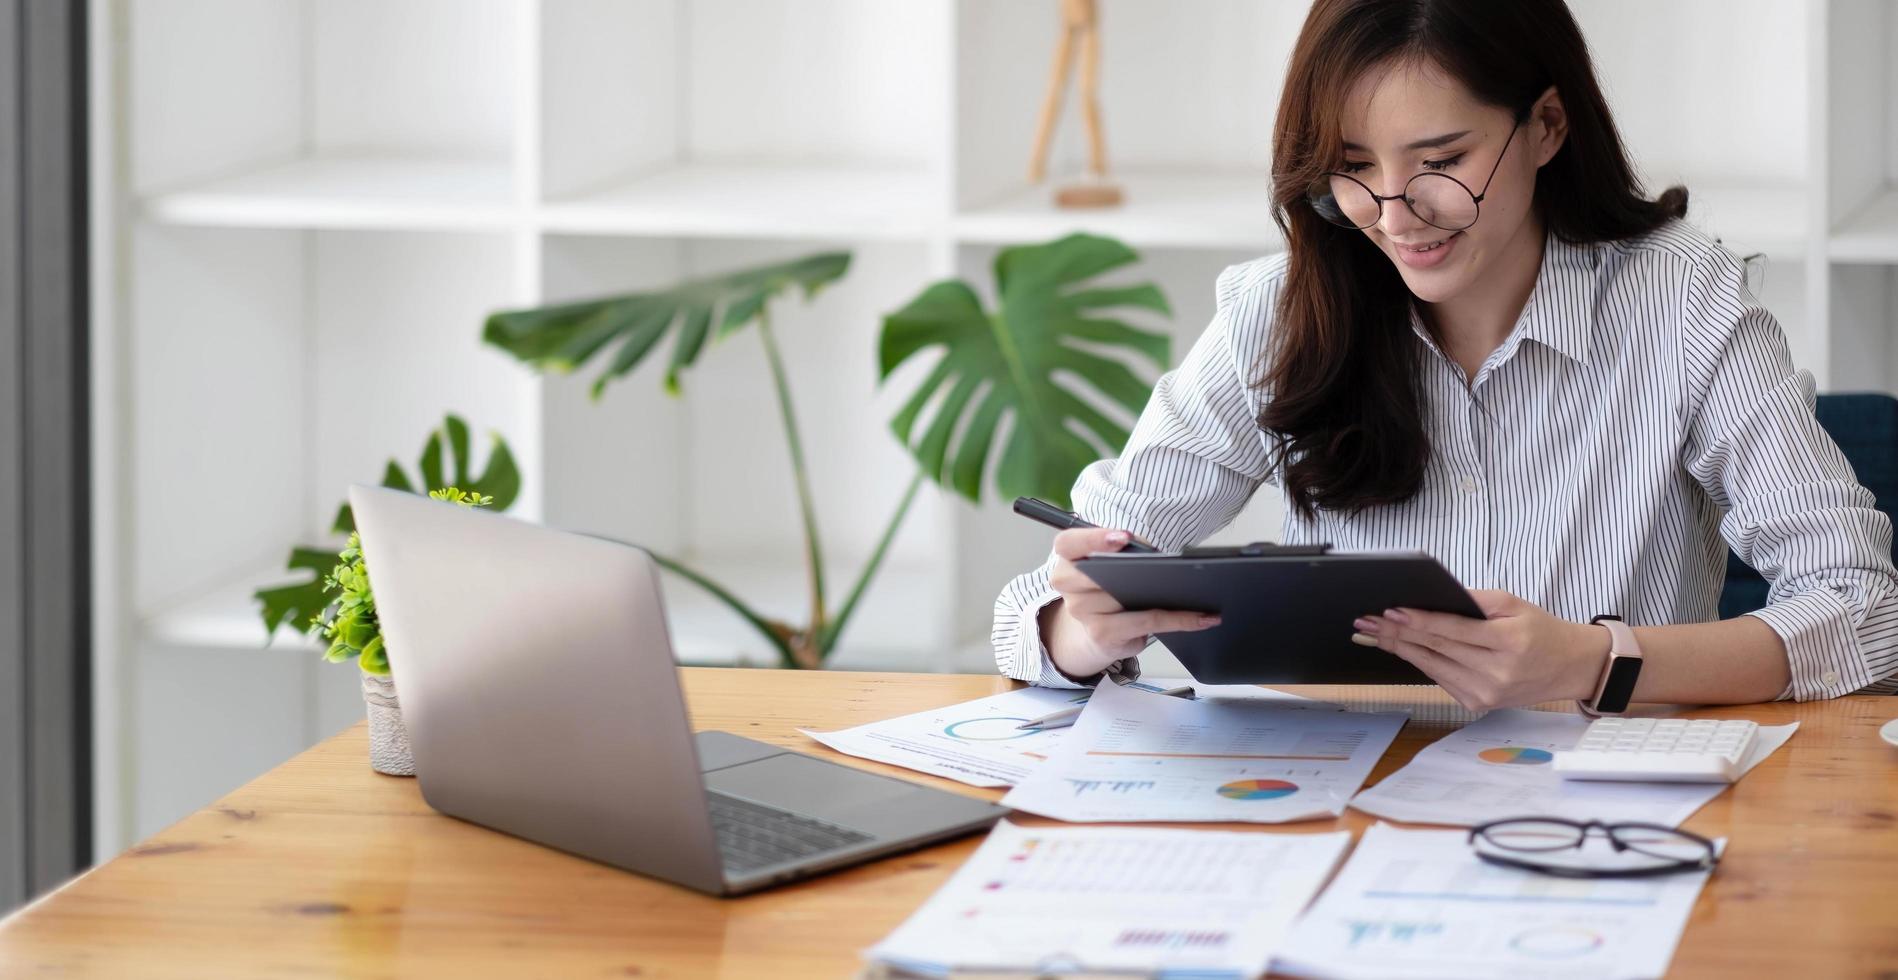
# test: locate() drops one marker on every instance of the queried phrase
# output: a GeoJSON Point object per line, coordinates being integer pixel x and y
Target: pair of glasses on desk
{"type": "Point", "coordinates": [1591, 849]}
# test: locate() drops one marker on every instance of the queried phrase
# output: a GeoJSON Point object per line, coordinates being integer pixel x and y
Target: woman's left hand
{"type": "Point", "coordinates": [1519, 655]}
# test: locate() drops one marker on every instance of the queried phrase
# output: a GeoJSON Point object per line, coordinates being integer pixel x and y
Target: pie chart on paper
{"type": "Point", "coordinates": [1258, 789]}
{"type": "Point", "coordinates": [988, 729]}
{"type": "Point", "coordinates": [1515, 755]}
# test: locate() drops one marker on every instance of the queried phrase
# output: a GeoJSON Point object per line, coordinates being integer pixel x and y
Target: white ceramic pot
{"type": "Point", "coordinates": [388, 739]}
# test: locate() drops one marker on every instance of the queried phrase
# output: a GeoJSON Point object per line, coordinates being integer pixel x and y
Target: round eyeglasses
{"type": "Point", "coordinates": [1437, 199]}
{"type": "Point", "coordinates": [1571, 849]}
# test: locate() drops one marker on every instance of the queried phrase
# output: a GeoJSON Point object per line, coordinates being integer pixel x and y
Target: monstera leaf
{"type": "Point", "coordinates": [561, 338]}
{"type": "Point", "coordinates": [296, 602]}
{"type": "Point", "coordinates": [500, 479]}
{"type": "Point", "coordinates": [1025, 363]}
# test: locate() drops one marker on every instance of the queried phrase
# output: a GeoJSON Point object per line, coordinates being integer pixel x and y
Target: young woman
{"type": "Point", "coordinates": [1483, 341]}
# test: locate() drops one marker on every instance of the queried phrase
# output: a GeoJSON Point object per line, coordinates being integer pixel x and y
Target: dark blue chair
{"type": "Point", "coordinates": [1866, 429]}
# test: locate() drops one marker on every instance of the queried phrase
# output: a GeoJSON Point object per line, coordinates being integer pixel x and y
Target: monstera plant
{"type": "Point", "coordinates": [1015, 375]}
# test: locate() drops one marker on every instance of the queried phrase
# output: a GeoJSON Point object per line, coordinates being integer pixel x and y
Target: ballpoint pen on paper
{"type": "Point", "coordinates": [1066, 716]}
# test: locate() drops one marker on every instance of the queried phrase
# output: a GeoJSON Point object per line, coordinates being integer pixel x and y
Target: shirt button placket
{"type": "Point", "coordinates": [1477, 505]}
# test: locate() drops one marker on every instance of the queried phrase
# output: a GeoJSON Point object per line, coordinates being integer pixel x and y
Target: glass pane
{"type": "Point", "coordinates": [1661, 843]}
{"type": "Point", "coordinates": [1343, 201]}
{"type": "Point", "coordinates": [1441, 201]}
{"type": "Point", "coordinates": [1532, 836]}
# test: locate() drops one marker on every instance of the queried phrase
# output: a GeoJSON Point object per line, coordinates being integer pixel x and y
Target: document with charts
{"type": "Point", "coordinates": [1136, 756]}
{"type": "Point", "coordinates": [1419, 904]}
{"type": "Point", "coordinates": [1199, 903]}
{"type": "Point", "coordinates": [1498, 766]}
{"type": "Point", "coordinates": [981, 742]}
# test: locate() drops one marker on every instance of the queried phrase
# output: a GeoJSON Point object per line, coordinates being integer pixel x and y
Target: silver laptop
{"type": "Point", "coordinates": [541, 698]}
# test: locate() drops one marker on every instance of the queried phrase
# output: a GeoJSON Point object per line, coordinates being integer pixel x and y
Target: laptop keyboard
{"type": "Point", "coordinates": [752, 836]}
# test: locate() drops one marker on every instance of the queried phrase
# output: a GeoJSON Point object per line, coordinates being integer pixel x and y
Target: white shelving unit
{"type": "Point", "coordinates": [305, 208]}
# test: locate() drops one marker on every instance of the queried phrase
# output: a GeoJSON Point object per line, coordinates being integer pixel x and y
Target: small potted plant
{"type": "Point", "coordinates": [354, 632]}
{"type": "Point", "coordinates": [336, 602]}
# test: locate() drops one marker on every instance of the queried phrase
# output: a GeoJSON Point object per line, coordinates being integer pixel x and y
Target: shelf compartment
{"type": "Point", "coordinates": [709, 97]}
{"type": "Point", "coordinates": [278, 367]}
{"type": "Point", "coordinates": [1179, 95]}
{"type": "Point", "coordinates": [265, 112]}
{"type": "Point", "coordinates": [707, 472]}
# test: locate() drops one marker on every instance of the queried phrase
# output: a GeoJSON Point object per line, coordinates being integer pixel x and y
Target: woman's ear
{"type": "Point", "coordinates": [1549, 125]}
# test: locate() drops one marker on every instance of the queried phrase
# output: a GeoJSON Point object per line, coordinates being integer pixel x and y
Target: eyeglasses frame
{"type": "Point", "coordinates": [1705, 863]}
{"type": "Point", "coordinates": [1404, 195]}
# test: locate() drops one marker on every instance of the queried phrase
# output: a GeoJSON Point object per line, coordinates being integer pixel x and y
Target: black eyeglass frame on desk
{"type": "Point", "coordinates": [1705, 862]}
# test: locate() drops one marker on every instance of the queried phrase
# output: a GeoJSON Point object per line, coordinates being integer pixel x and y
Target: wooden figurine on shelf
{"type": "Point", "coordinates": [1080, 28]}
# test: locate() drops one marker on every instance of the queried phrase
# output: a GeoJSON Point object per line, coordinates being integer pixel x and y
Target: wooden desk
{"type": "Point", "coordinates": [323, 868]}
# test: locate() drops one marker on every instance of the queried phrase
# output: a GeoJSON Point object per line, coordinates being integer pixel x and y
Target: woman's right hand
{"type": "Point", "coordinates": [1086, 630]}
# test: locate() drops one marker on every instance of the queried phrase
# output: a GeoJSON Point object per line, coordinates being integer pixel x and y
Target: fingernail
{"type": "Point", "coordinates": [1116, 537]}
{"type": "Point", "coordinates": [1364, 624]}
{"type": "Point", "coordinates": [1208, 621]}
{"type": "Point", "coordinates": [1397, 616]}
{"type": "Point", "coordinates": [1364, 641]}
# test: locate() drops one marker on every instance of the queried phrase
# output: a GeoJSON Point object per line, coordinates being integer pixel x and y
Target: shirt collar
{"type": "Point", "coordinates": [1560, 313]}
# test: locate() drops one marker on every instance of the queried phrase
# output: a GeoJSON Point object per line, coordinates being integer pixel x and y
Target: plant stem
{"type": "Point", "coordinates": [813, 555]}
{"type": "Point", "coordinates": [775, 632]}
{"type": "Point", "coordinates": [827, 637]}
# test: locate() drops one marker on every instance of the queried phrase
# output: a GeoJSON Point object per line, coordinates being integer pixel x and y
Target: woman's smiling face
{"type": "Point", "coordinates": [1408, 118]}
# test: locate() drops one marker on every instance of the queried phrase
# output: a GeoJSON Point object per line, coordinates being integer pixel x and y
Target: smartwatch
{"type": "Point", "coordinates": [1618, 676]}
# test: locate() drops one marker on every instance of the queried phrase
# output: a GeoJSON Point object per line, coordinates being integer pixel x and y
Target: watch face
{"type": "Point", "coordinates": [1622, 673]}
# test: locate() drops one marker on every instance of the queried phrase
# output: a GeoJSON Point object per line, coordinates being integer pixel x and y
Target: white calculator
{"type": "Point", "coordinates": [1660, 750]}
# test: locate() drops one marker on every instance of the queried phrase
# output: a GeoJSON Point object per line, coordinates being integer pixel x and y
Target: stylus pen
{"type": "Point", "coordinates": [1049, 514]}
{"type": "Point", "coordinates": [1066, 716]}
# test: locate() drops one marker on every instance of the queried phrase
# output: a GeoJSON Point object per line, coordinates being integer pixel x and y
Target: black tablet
{"type": "Point", "coordinates": [1285, 612]}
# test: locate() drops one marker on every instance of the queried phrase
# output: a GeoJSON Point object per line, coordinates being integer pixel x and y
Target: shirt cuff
{"type": "Point", "coordinates": [1821, 645]}
{"type": "Point", "coordinates": [1032, 663]}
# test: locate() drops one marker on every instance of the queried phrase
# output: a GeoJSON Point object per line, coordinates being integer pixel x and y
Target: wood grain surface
{"type": "Point", "coordinates": [323, 868]}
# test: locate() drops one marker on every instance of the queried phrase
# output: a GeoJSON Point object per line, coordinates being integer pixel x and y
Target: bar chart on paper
{"type": "Point", "coordinates": [1134, 756]}
{"type": "Point", "coordinates": [1076, 899]}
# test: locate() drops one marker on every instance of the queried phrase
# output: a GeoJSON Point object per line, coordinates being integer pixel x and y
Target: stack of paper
{"type": "Point", "coordinates": [1420, 904]}
{"type": "Point", "coordinates": [1498, 767]}
{"type": "Point", "coordinates": [1059, 900]}
{"type": "Point", "coordinates": [982, 743]}
{"type": "Point", "coordinates": [1136, 756]}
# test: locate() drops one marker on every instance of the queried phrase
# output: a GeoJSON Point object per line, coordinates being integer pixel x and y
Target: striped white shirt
{"type": "Point", "coordinates": [1643, 410]}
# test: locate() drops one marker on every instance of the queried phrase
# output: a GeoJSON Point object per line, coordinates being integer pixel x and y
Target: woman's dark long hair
{"type": "Point", "coordinates": [1339, 376]}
